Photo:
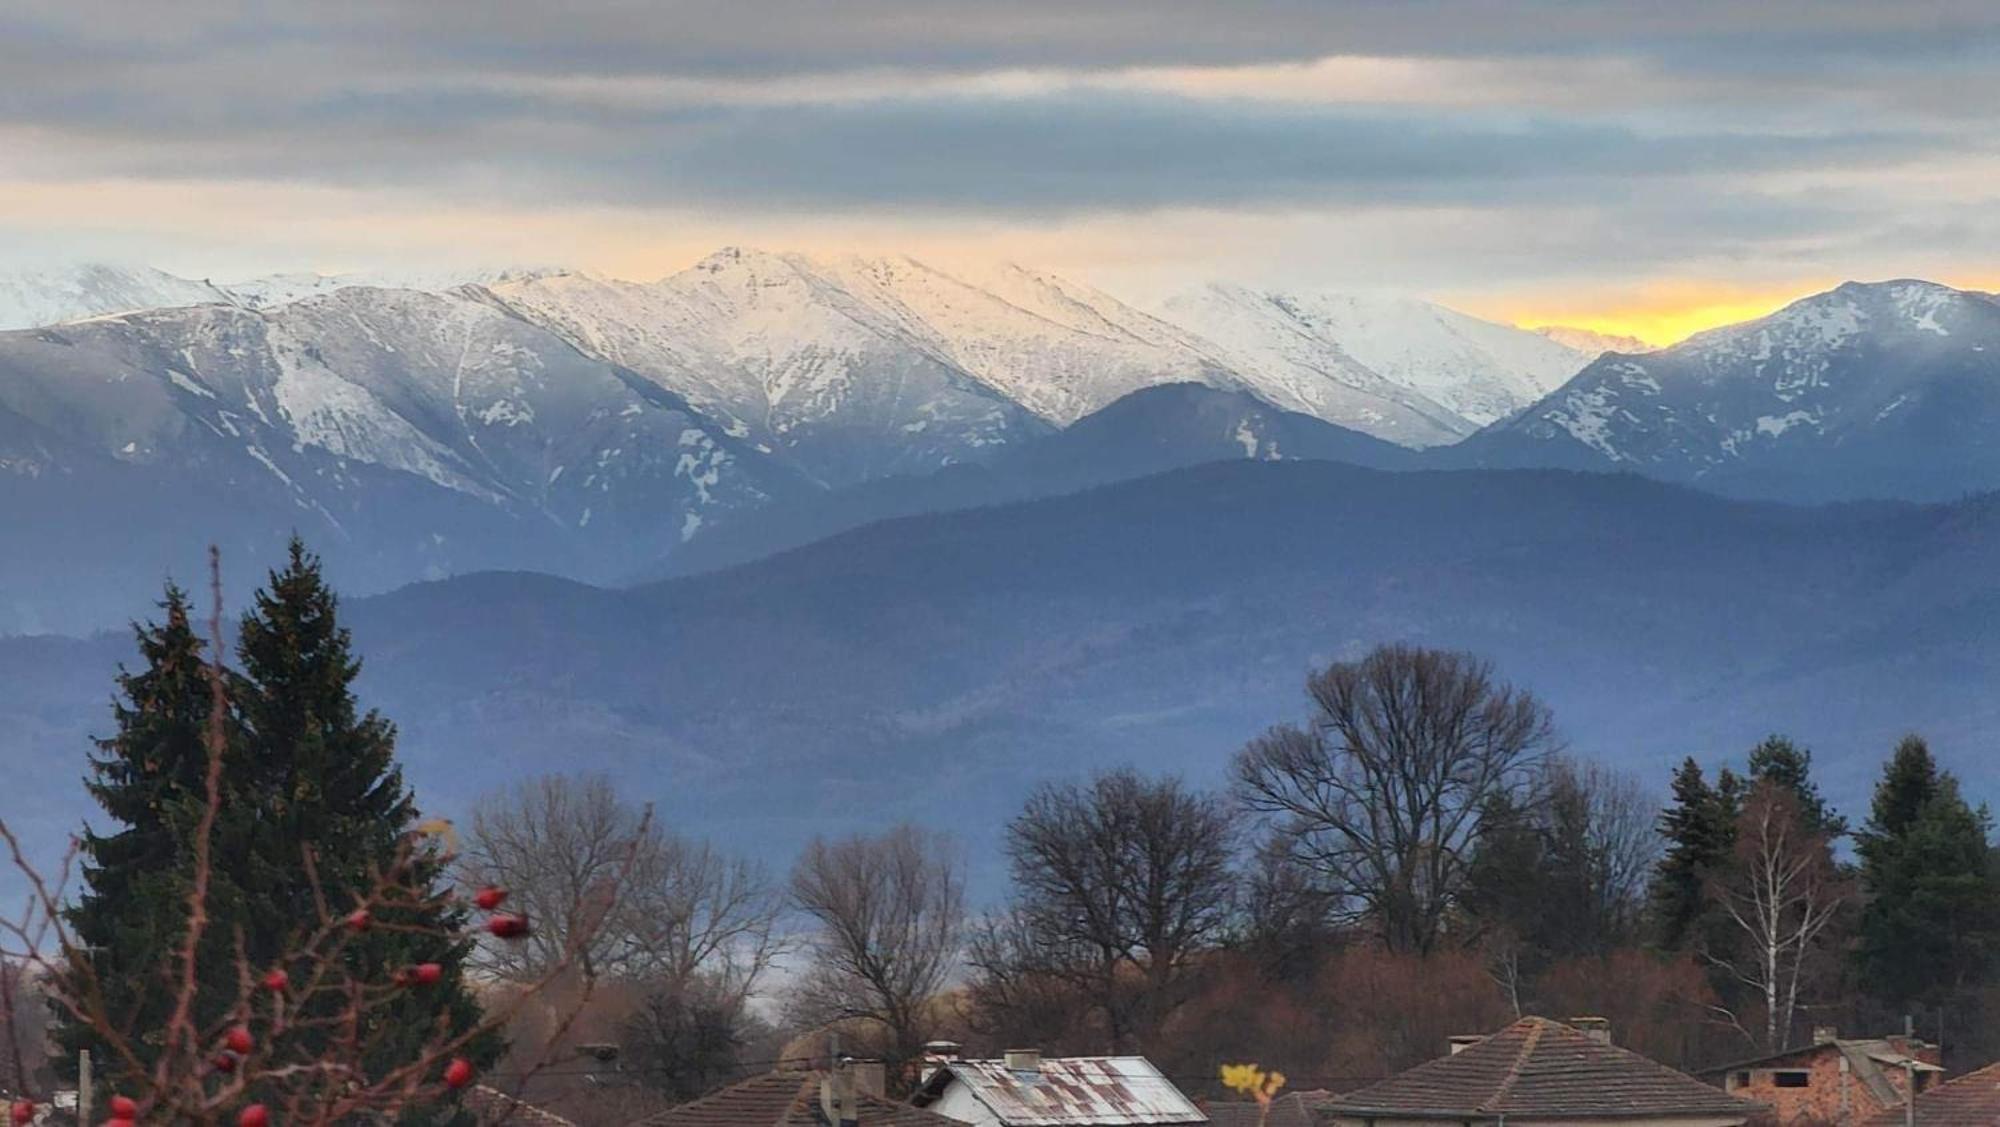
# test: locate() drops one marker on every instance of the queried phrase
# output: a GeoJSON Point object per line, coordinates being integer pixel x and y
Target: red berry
{"type": "Point", "coordinates": [124, 1107]}
{"type": "Point", "coordinates": [256, 1115]}
{"type": "Point", "coordinates": [24, 1112]}
{"type": "Point", "coordinates": [458, 1073]}
{"type": "Point", "coordinates": [508, 926]}
{"type": "Point", "coordinates": [238, 1041]}
{"type": "Point", "coordinates": [428, 974]}
{"type": "Point", "coordinates": [225, 1063]}
{"type": "Point", "coordinates": [276, 981]}
{"type": "Point", "coordinates": [359, 920]}
{"type": "Point", "coordinates": [489, 898]}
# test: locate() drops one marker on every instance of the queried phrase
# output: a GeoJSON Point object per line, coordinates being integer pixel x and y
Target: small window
{"type": "Point", "coordinates": [1740, 1080]}
{"type": "Point", "coordinates": [1791, 1079]}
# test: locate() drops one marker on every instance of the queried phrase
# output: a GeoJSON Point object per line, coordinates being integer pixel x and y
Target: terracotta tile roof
{"type": "Point", "coordinates": [1972, 1100]}
{"type": "Point", "coordinates": [1293, 1109]}
{"type": "Point", "coordinates": [1540, 1069]}
{"type": "Point", "coordinates": [491, 1105]}
{"type": "Point", "coordinates": [785, 1099]}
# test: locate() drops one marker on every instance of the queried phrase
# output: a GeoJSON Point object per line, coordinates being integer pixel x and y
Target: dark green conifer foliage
{"type": "Point", "coordinates": [1699, 826]}
{"type": "Point", "coordinates": [1779, 760]}
{"type": "Point", "coordinates": [149, 776]}
{"type": "Point", "coordinates": [327, 781]}
{"type": "Point", "coordinates": [1931, 930]}
{"type": "Point", "coordinates": [310, 788]}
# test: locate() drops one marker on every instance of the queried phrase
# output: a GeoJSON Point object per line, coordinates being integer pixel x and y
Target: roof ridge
{"type": "Point", "coordinates": [1535, 1026]}
{"type": "Point", "coordinates": [716, 1095]}
{"type": "Point", "coordinates": [800, 1098]}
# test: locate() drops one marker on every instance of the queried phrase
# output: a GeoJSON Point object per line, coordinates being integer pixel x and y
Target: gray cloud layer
{"type": "Point", "coordinates": [1686, 110]}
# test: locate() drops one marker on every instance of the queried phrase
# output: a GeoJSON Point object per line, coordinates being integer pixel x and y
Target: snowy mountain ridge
{"type": "Point", "coordinates": [1471, 372]}
{"type": "Point", "coordinates": [1883, 389]}
{"type": "Point", "coordinates": [788, 349]}
{"type": "Point", "coordinates": [31, 297]}
{"type": "Point", "coordinates": [426, 433]}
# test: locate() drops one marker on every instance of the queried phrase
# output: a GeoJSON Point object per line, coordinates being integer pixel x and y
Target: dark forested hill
{"type": "Point", "coordinates": [936, 667]}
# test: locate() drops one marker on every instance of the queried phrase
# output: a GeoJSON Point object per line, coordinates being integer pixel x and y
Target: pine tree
{"type": "Point", "coordinates": [328, 782]}
{"type": "Point", "coordinates": [1700, 829]}
{"type": "Point", "coordinates": [310, 789]}
{"type": "Point", "coordinates": [150, 778]}
{"type": "Point", "coordinates": [1931, 930]}
{"type": "Point", "coordinates": [1909, 781]}
{"type": "Point", "coordinates": [1778, 760]}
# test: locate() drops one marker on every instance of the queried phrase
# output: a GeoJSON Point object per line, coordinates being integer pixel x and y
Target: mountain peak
{"type": "Point", "coordinates": [1884, 389]}
{"type": "Point", "coordinates": [1592, 342]}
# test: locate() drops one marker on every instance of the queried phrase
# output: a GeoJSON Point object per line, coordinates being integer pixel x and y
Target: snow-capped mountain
{"type": "Point", "coordinates": [46, 295]}
{"type": "Point", "coordinates": [1593, 343]}
{"type": "Point", "coordinates": [853, 368]}
{"type": "Point", "coordinates": [422, 433]}
{"type": "Point", "coordinates": [1889, 389]}
{"type": "Point", "coordinates": [814, 365]}
{"type": "Point", "coordinates": [1456, 371]}
{"type": "Point", "coordinates": [51, 295]}
{"type": "Point", "coordinates": [268, 291]}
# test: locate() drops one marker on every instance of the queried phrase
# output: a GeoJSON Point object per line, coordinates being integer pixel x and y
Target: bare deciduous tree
{"type": "Point", "coordinates": [1120, 885]}
{"type": "Point", "coordinates": [1607, 818]}
{"type": "Point", "coordinates": [1381, 790]}
{"type": "Point", "coordinates": [688, 919]}
{"type": "Point", "coordinates": [1782, 895]}
{"type": "Point", "coordinates": [889, 916]}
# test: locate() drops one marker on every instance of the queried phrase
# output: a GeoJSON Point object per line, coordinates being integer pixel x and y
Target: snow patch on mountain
{"type": "Point", "coordinates": [1884, 389]}
{"type": "Point", "coordinates": [1455, 371]}
{"type": "Point", "coordinates": [31, 297]}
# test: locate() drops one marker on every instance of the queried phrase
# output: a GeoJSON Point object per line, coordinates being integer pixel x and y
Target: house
{"type": "Point", "coordinates": [1832, 1080]}
{"type": "Point", "coordinates": [491, 1105]}
{"type": "Point", "coordinates": [1539, 1072]}
{"type": "Point", "coordinates": [1972, 1100]}
{"type": "Point", "coordinates": [845, 1096]}
{"type": "Point", "coordinates": [1023, 1090]}
{"type": "Point", "coordinates": [1291, 1109]}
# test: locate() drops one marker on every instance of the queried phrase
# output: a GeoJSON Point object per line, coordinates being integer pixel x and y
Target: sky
{"type": "Point", "coordinates": [1634, 167]}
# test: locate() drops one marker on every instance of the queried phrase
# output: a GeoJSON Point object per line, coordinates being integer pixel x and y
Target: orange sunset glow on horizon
{"type": "Point", "coordinates": [1667, 313]}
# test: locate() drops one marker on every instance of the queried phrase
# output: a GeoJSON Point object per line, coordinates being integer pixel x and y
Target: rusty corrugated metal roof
{"type": "Point", "coordinates": [1076, 1092]}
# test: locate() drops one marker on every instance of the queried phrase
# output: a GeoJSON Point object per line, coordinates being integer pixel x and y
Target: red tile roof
{"type": "Point", "coordinates": [1972, 1100]}
{"type": "Point", "coordinates": [1540, 1069]}
{"type": "Point", "coordinates": [785, 1099]}
{"type": "Point", "coordinates": [492, 1106]}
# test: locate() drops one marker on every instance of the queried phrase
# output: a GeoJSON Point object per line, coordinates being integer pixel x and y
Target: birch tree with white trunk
{"type": "Point", "coordinates": [1783, 895]}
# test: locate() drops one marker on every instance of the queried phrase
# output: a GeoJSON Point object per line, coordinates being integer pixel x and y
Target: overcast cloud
{"type": "Point", "coordinates": [1772, 141]}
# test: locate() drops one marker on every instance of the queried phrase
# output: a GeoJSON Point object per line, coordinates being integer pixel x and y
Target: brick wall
{"type": "Point", "coordinates": [1829, 1094]}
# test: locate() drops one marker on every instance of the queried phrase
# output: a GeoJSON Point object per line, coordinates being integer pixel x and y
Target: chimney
{"type": "Point", "coordinates": [1463, 1041]}
{"type": "Point", "coordinates": [936, 1055]}
{"type": "Point", "coordinates": [1596, 1028]}
{"type": "Point", "coordinates": [871, 1078]}
{"type": "Point", "coordinates": [836, 1095]}
{"type": "Point", "coordinates": [1024, 1060]}
{"type": "Point", "coordinates": [1822, 1034]}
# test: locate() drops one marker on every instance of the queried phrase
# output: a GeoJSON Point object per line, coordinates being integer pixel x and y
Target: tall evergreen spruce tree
{"type": "Point", "coordinates": [150, 777]}
{"type": "Point", "coordinates": [328, 782]}
{"type": "Point", "coordinates": [306, 772]}
{"type": "Point", "coordinates": [1930, 933]}
{"type": "Point", "coordinates": [1700, 830]}
{"type": "Point", "coordinates": [1777, 759]}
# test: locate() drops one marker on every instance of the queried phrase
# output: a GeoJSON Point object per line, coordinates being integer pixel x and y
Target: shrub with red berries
{"type": "Point", "coordinates": [319, 989]}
